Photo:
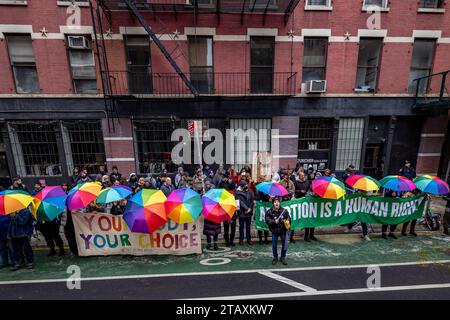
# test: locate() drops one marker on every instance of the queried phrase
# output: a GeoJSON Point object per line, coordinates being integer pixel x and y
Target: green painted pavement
{"type": "Point", "coordinates": [332, 250]}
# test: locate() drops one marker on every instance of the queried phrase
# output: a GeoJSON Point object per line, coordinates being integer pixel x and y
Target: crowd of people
{"type": "Point", "coordinates": [17, 228]}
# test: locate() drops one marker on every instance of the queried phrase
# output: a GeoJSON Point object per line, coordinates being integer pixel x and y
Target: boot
{"type": "Point", "coordinates": [384, 236]}
{"type": "Point", "coordinates": [209, 246]}
{"type": "Point", "coordinates": [216, 247]}
{"type": "Point", "coordinates": [404, 232]}
{"type": "Point", "coordinates": [274, 261]}
{"type": "Point", "coordinates": [260, 241]}
{"type": "Point", "coordinates": [392, 235]}
{"type": "Point", "coordinates": [241, 242]}
{"type": "Point", "coordinates": [283, 261]}
{"type": "Point", "coordinates": [250, 243]}
{"type": "Point", "coordinates": [314, 238]}
{"type": "Point", "coordinates": [266, 241]}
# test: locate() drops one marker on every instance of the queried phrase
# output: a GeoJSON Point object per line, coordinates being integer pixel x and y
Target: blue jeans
{"type": "Point", "coordinates": [284, 239]}
{"type": "Point", "coordinates": [247, 222]}
{"type": "Point", "coordinates": [5, 252]}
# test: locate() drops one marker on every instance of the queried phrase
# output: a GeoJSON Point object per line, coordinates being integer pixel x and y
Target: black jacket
{"type": "Point", "coordinates": [275, 220]}
{"type": "Point", "coordinates": [299, 186]}
{"type": "Point", "coordinates": [246, 199]}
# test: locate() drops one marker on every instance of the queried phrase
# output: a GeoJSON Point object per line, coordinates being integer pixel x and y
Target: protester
{"type": "Point", "coordinates": [408, 171]}
{"type": "Point", "coordinates": [140, 184]}
{"type": "Point", "coordinates": [233, 174]}
{"type": "Point", "coordinates": [245, 198]}
{"type": "Point", "coordinates": [102, 170]}
{"type": "Point", "coordinates": [5, 245]}
{"type": "Point", "coordinates": [287, 183]}
{"type": "Point", "coordinates": [50, 231]}
{"type": "Point", "coordinates": [20, 231]}
{"type": "Point", "coordinates": [118, 208]}
{"type": "Point", "coordinates": [75, 176]}
{"type": "Point", "coordinates": [179, 177]}
{"type": "Point", "coordinates": [348, 172]}
{"type": "Point", "coordinates": [302, 187]}
{"type": "Point", "coordinates": [446, 217]}
{"type": "Point", "coordinates": [84, 177]}
{"type": "Point", "coordinates": [309, 232]}
{"type": "Point", "coordinates": [220, 173]}
{"type": "Point", "coordinates": [69, 228]}
{"type": "Point", "coordinates": [277, 219]}
{"type": "Point", "coordinates": [115, 174]}
{"type": "Point", "coordinates": [197, 181]}
{"type": "Point", "coordinates": [167, 187]}
{"type": "Point", "coordinates": [106, 181]}
{"type": "Point", "coordinates": [263, 198]}
{"type": "Point", "coordinates": [133, 182]}
{"type": "Point", "coordinates": [384, 227]}
{"type": "Point", "coordinates": [412, 228]}
{"type": "Point", "coordinates": [209, 177]}
{"type": "Point", "coordinates": [18, 185]}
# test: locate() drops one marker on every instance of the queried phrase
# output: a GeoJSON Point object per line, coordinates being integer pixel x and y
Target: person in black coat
{"type": "Point", "coordinates": [263, 198]}
{"type": "Point", "coordinates": [229, 227]}
{"type": "Point", "coordinates": [408, 171]}
{"type": "Point", "coordinates": [276, 218]}
{"type": "Point", "coordinates": [212, 230]}
{"type": "Point", "coordinates": [245, 197]}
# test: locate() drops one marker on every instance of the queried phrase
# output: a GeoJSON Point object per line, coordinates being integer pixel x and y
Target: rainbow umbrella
{"type": "Point", "coordinates": [145, 211]}
{"type": "Point", "coordinates": [328, 188]}
{"type": "Point", "coordinates": [397, 183]}
{"type": "Point", "coordinates": [14, 200]}
{"type": "Point", "coordinates": [218, 205]}
{"type": "Point", "coordinates": [115, 193]}
{"type": "Point", "coordinates": [49, 203]}
{"type": "Point", "coordinates": [362, 182]}
{"type": "Point", "coordinates": [431, 184]}
{"type": "Point", "coordinates": [272, 189]}
{"type": "Point", "coordinates": [183, 205]}
{"type": "Point", "coordinates": [82, 195]}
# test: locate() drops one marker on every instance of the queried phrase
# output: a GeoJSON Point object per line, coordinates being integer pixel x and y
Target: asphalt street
{"type": "Point", "coordinates": [430, 280]}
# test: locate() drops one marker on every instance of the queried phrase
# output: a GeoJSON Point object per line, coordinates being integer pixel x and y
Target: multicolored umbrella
{"type": "Point", "coordinates": [272, 189]}
{"type": "Point", "coordinates": [145, 211]}
{"type": "Point", "coordinates": [362, 182]}
{"type": "Point", "coordinates": [14, 200]}
{"type": "Point", "coordinates": [218, 205]}
{"type": "Point", "coordinates": [183, 205]}
{"type": "Point", "coordinates": [115, 193]}
{"type": "Point", "coordinates": [328, 188]}
{"type": "Point", "coordinates": [82, 195]}
{"type": "Point", "coordinates": [397, 183]}
{"type": "Point", "coordinates": [49, 203]}
{"type": "Point", "coordinates": [432, 185]}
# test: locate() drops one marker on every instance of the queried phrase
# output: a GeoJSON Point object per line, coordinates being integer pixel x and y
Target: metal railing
{"type": "Point", "coordinates": [432, 90]}
{"type": "Point", "coordinates": [156, 84]}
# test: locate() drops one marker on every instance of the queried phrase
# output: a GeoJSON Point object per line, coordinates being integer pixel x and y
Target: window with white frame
{"type": "Point", "coordinates": [23, 63]}
{"type": "Point", "coordinates": [349, 144]}
{"type": "Point", "coordinates": [368, 63]}
{"type": "Point", "coordinates": [431, 4]}
{"type": "Point", "coordinates": [318, 3]}
{"type": "Point", "coordinates": [376, 3]}
{"type": "Point", "coordinates": [82, 64]}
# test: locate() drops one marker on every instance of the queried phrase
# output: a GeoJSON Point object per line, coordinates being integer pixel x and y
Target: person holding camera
{"type": "Point", "coordinates": [279, 222]}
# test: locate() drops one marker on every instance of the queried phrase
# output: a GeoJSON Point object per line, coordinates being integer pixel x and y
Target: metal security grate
{"type": "Point", "coordinates": [86, 145]}
{"type": "Point", "coordinates": [35, 148]}
{"type": "Point", "coordinates": [349, 144]}
{"type": "Point", "coordinates": [315, 134]}
{"type": "Point", "coordinates": [154, 145]}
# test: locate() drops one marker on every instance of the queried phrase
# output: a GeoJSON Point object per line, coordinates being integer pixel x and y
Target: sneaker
{"type": "Point", "coordinates": [283, 261]}
{"type": "Point", "coordinates": [357, 228]}
{"type": "Point", "coordinates": [366, 238]}
{"type": "Point", "coordinates": [413, 234]}
{"type": "Point", "coordinates": [30, 265]}
{"type": "Point", "coordinates": [384, 236]}
{"type": "Point", "coordinates": [274, 261]}
{"type": "Point", "coordinates": [15, 267]}
{"type": "Point", "coordinates": [392, 235]}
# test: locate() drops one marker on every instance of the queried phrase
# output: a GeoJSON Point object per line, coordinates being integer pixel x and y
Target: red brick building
{"type": "Point", "coordinates": [335, 77]}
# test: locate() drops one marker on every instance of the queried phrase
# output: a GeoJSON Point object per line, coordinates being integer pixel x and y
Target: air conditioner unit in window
{"type": "Point", "coordinates": [79, 42]}
{"type": "Point", "coordinates": [316, 86]}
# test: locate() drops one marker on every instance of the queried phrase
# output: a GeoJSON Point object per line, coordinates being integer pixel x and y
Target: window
{"type": "Point", "coordinates": [201, 64]}
{"type": "Point", "coordinates": [431, 4]}
{"type": "Point", "coordinates": [349, 144]}
{"type": "Point", "coordinates": [139, 64]}
{"type": "Point", "coordinates": [82, 64]}
{"type": "Point", "coordinates": [83, 143]}
{"type": "Point", "coordinates": [315, 134]}
{"type": "Point", "coordinates": [255, 138]}
{"type": "Point", "coordinates": [23, 63]}
{"type": "Point", "coordinates": [368, 64]}
{"type": "Point", "coordinates": [13, 2]}
{"type": "Point", "coordinates": [154, 145]}
{"type": "Point", "coordinates": [422, 63]}
{"type": "Point", "coordinates": [261, 60]}
{"type": "Point", "coordinates": [262, 4]}
{"type": "Point", "coordinates": [323, 3]}
{"type": "Point", "coordinates": [377, 3]}
{"type": "Point", "coordinates": [314, 59]}
{"type": "Point", "coordinates": [35, 148]}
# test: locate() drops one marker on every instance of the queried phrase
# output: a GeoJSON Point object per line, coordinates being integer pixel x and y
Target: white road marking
{"type": "Point", "coordinates": [287, 281]}
{"type": "Point", "coordinates": [210, 273]}
{"type": "Point", "coordinates": [326, 292]}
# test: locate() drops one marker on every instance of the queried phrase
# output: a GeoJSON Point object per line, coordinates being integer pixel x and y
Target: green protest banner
{"type": "Point", "coordinates": [313, 212]}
